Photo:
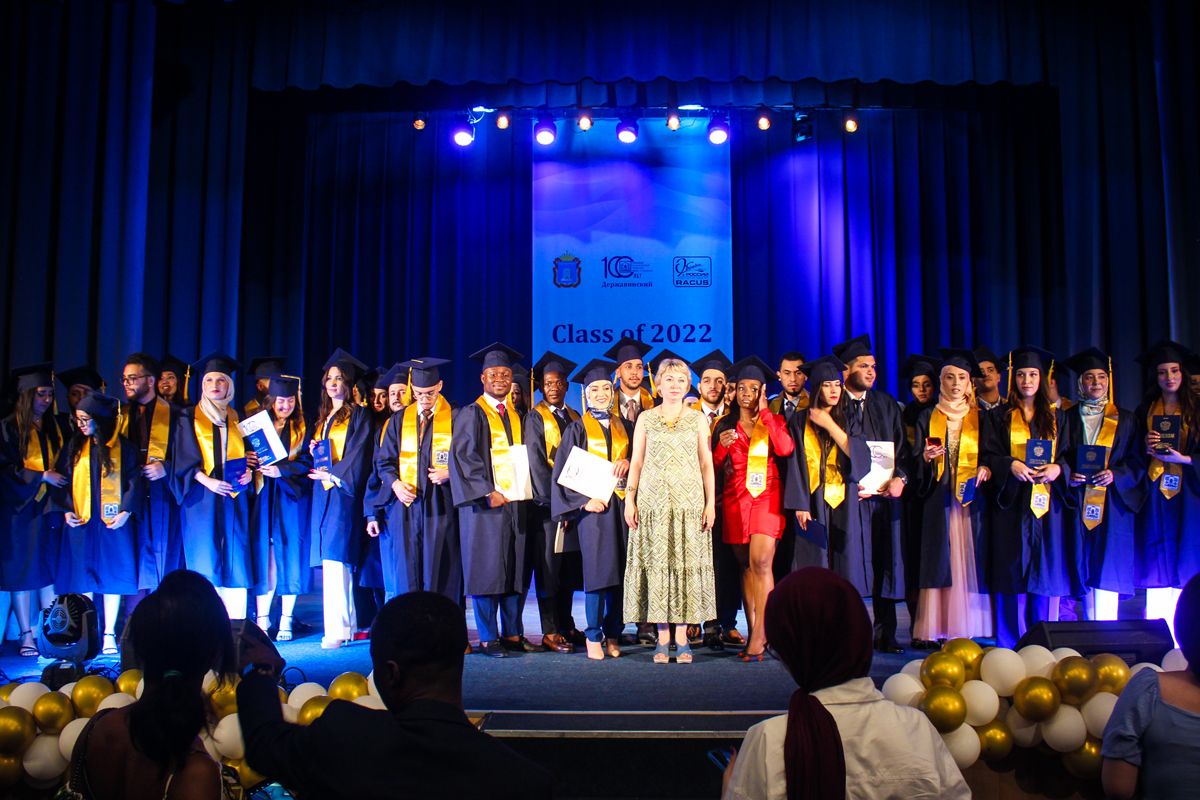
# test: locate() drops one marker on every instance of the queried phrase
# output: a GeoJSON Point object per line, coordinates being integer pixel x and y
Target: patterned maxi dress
{"type": "Point", "coordinates": [668, 564]}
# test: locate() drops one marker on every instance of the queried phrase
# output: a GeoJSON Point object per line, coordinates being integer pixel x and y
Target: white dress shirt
{"type": "Point", "coordinates": [891, 751]}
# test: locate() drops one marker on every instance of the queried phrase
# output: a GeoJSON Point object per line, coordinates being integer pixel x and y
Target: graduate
{"type": "Point", "coordinates": [149, 422]}
{"type": "Point", "coordinates": [279, 526]}
{"type": "Point", "coordinates": [522, 393]}
{"type": "Point", "coordinates": [212, 484]}
{"type": "Point", "coordinates": [102, 496]}
{"type": "Point", "coordinates": [378, 498]}
{"type": "Point", "coordinates": [418, 541]}
{"type": "Point", "coordinates": [369, 591]}
{"type": "Point", "coordinates": [874, 416]}
{"type": "Point", "coordinates": [78, 382]}
{"type": "Point", "coordinates": [379, 394]}
{"type": "Point", "coordinates": [1031, 549]}
{"type": "Point", "coordinates": [713, 369]}
{"type": "Point", "coordinates": [948, 474]}
{"type": "Point", "coordinates": [987, 387]}
{"type": "Point", "coordinates": [1108, 485]}
{"type": "Point", "coordinates": [792, 396]}
{"type": "Point", "coordinates": [921, 371]}
{"type": "Point", "coordinates": [492, 529]}
{"type": "Point", "coordinates": [1168, 537]}
{"type": "Point", "coordinates": [597, 527]}
{"type": "Point", "coordinates": [632, 398]}
{"type": "Point", "coordinates": [30, 442]}
{"type": "Point", "coordinates": [747, 447]}
{"type": "Point", "coordinates": [260, 371]}
{"type": "Point", "coordinates": [336, 531]}
{"type": "Point", "coordinates": [173, 378]}
{"type": "Point", "coordinates": [557, 575]}
{"type": "Point", "coordinates": [1193, 370]}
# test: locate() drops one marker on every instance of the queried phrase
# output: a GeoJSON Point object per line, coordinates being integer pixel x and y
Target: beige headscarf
{"type": "Point", "coordinates": [215, 409]}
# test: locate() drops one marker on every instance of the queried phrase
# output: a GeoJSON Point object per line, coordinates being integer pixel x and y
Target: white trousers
{"type": "Point", "coordinates": [234, 600]}
{"type": "Point", "coordinates": [1160, 604]}
{"type": "Point", "coordinates": [338, 592]}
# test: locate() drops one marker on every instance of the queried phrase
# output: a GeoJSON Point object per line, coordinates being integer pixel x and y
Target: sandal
{"type": "Point", "coordinates": [747, 657]}
{"type": "Point", "coordinates": [28, 650]}
{"type": "Point", "coordinates": [284, 634]}
{"type": "Point", "coordinates": [110, 645]}
{"type": "Point", "coordinates": [683, 654]}
{"type": "Point", "coordinates": [661, 655]}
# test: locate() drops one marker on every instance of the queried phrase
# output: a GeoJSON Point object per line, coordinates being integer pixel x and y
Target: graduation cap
{"type": "Point", "coordinates": [959, 357]}
{"type": "Point", "coordinates": [81, 376]}
{"type": "Point", "coordinates": [284, 386]}
{"type": "Point", "coordinates": [752, 368]}
{"type": "Point", "coordinates": [497, 354]}
{"type": "Point", "coordinates": [32, 376]}
{"type": "Point", "coordinates": [825, 368]}
{"type": "Point", "coordinates": [383, 377]}
{"type": "Point", "coordinates": [170, 363]}
{"type": "Point", "coordinates": [627, 349]}
{"type": "Point", "coordinates": [918, 364]}
{"type": "Point", "coordinates": [1165, 351]}
{"type": "Point", "coordinates": [1084, 360]}
{"type": "Point", "coordinates": [265, 366]}
{"type": "Point", "coordinates": [662, 356]}
{"type": "Point", "coordinates": [396, 373]}
{"type": "Point", "coordinates": [350, 367]}
{"type": "Point", "coordinates": [598, 369]}
{"type": "Point", "coordinates": [851, 349]}
{"type": "Point", "coordinates": [983, 354]}
{"type": "Point", "coordinates": [714, 360]}
{"type": "Point", "coordinates": [214, 362]}
{"type": "Point", "coordinates": [95, 404]}
{"type": "Point", "coordinates": [1029, 357]}
{"type": "Point", "coordinates": [553, 362]}
{"type": "Point", "coordinates": [422, 372]}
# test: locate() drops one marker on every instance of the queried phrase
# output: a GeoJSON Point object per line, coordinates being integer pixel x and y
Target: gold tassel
{"type": "Point", "coordinates": [650, 377]}
{"type": "Point", "coordinates": [1010, 373]}
{"type": "Point", "coordinates": [407, 399]}
{"type": "Point", "coordinates": [1112, 393]}
{"type": "Point", "coordinates": [187, 378]}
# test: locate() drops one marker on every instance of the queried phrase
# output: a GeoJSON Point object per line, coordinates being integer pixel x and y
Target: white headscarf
{"type": "Point", "coordinates": [215, 409]}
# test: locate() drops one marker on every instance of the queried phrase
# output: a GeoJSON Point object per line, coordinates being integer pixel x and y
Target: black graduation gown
{"type": "Point", "coordinates": [279, 522]}
{"type": "Point", "coordinates": [419, 543]}
{"type": "Point", "coordinates": [92, 558]}
{"type": "Point", "coordinates": [369, 573]}
{"type": "Point", "coordinates": [494, 540]}
{"type": "Point", "coordinates": [848, 549]}
{"type": "Point", "coordinates": [1108, 549]}
{"type": "Point", "coordinates": [1021, 552]}
{"type": "Point", "coordinates": [336, 525]}
{"type": "Point", "coordinates": [911, 502]}
{"type": "Point", "coordinates": [1167, 532]}
{"type": "Point", "coordinates": [157, 534]}
{"type": "Point", "coordinates": [216, 529]}
{"type": "Point", "coordinates": [542, 525]}
{"type": "Point", "coordinates": [29, 536]}
{"type": "Point", "coordinates": [603, 536]}
{"type": "Point", "coordinates": [933, 499]}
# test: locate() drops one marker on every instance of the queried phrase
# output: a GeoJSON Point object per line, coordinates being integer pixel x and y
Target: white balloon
{"type": "Point", "coordinates": [963, 744]}
{"type": "Point", "coordinates": [1097, 711]}
{"type": "Point", "coordinates": [374, 702]}
{"type": "Point", "coordinates": [141, 687]}
{"type": "Point", "coordinates": [903, 690]}
{"type": "Point", "coordinates": [70, 734]}
{"type": "Point", "coordinates": [1002, 711]}
{"type": "Point", "coordinates": [304, 692]}
{"type": "Point", "coordinates": [291, 713]}
{"type": "Point", "coordinates": [371, 688]}
{"type": "Point", "coordinates": [1025, 733]}
{"type": "Point", "coordinates": [1002, 669]}
{"type": "Point", "coordinates": [982, 702]}
{"type": "Point", "coordinates": [1172, 662]}
{"type": "Point", "coordinates": [43, 761]}
{"type": "Point", "coordinates": [1038, 660]}
{"type": "Point", "coordinates": [210, 678]}
{"type": "Point", "coordinates": [4, 703]}
{"type": "Point", "coordinates": [228, 737]}
{"type": "Point", "coordinates": [116, 700]}
{"type": "Point", "coordinates": [66, 688]}
{"type": "Point", "coordinates": [210, 746]}
{"type": "Point", "coordinates": [1141, 665]}
{"type": "Point", "coordinates": [913, 668]}
{"type": "Point", "coordinates": [24, 695]}
{"type": "Point", "coordinates": [1062, 652]}
{"type": "Point", "coordinates": [1066, 730]}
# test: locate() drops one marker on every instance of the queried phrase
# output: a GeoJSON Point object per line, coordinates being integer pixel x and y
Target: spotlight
{"type": "Point", "coordinates": [419, 120]}
{"type": "Point", "coordinates": [764, 118]}
{"type": "Point", "coordinates": [463, 134]}
{"type": "Point", "coordinates": [504, 118]}
{"type": "Point", "coordinates": [851, 123]}
{"type": "Point", "coordinates": [802, 129]}
{"type": "Point", "coordinates": [545, 131]}
{"type": "Point", "coordinates": [718, 130]}
{"type": "Point", "coordinates": [585, 119]}
{"type": "Point", "coordinates": [673, 119]}
{"type": "Point", "coordinates": [627, 130]}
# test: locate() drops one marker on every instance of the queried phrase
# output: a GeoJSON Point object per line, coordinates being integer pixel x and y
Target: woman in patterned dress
{"type": "Point", "coordinates": [670, 506]}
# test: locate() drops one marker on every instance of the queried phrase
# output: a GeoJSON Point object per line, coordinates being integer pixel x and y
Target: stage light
{"type": "Point", "coordinates": [718, 130]}
{"type": "Point", "coordinates": [585, 119]}
{"type": "Point", "coordinates": [463, 134]}
{"type": "Point", "coordinates": [545, 131]}
{"type": "Point", "coordinates": [504, 118]}
{"type": "Point", "coordinates": [851, 123]}
{"type": "Point", "coordinates": [673, 119]}
{"type": "Point", "coordinates": [627, 130]}
{"type": "Point", "coordinates": [802, 129]}
{"type": "Point", "coordinates": [764, 118]}
{"type": "Point", "coordinates": [419, 120]}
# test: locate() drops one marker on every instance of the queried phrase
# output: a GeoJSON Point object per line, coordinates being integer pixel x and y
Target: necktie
{"type": "Point", "coordinates": [561, 415]}
{"type": "Point", "coordinates": [422, 424]}
{"type": "Point", "coordinates": [632, 407]}
{"type": "Point", "coordinates": [788, 408]}
{"type": "Point", "coordinates": [856, 415]}
{"type": "Point", "coordinates": [712, 415]}
{"type": "Point", "coordinates": [500, 410]}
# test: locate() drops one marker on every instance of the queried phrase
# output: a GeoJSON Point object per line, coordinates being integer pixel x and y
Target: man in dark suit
{"type": "Point", "coordinates": [421, 746]}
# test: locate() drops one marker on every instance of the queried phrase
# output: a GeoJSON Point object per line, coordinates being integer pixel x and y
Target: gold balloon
{"type": "Point", "coordinates": [16, 730]}
{"type": "Point", "coordinates": [6, 691]}
{"type": "Point", "coordinates": [247, 777]}
{"type": "Point", "coordinates": [995, 741]}
{"type": "Point", "coordinates": [1076, 679]}
{"type": "Point", "coordinates": [943, 669]}
{"type": "Point", "coordinates": [89, 692]}
{"type": "Point", "coordinates": [1085, 762]}
{"type": "Point", "coordinates": [1112, 673]}
{"type": "Point", "coordinates": [945, 707]}
{"type": "Point", "coordinates": [52, 711]}
{"type": "Point", "coordinates": [224, 699]}
{"type": "Point", "coordinates": [968, 652]}
{"type": "Point", "coordinates": [315, 706]}
{"type": "Point", "coordinates": [1036, 698]}
{"type": "Point", "coordinates": [283, 695]}
{"type": "Point", "coordinates": [11, 771]}
{"type": "Point", "coordinates": [128, 681]}
{"type": "Point", "coordinates": [348, 686]}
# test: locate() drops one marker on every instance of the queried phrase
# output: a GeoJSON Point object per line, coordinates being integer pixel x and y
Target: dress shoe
{"type": "Point", "coordinates": [733, 638]}
{"type": "Point", "coordinates": [888, 644]}
{"type": "Point", "coordinates": [492, 649]}
{"type": "Point", "coordinates": [612, 648]}
{"type": "Point", "coordinates": [575, 637]}
{"type": "Point", "coordinates": [695, 634]}
{"type": "Point", "coordinates": [557, 643]}
{"type": "Point", "coordinates": [518, 644]}
{"type": "Point", "coordinates": [712, 639]}
{"type": "Point", "coordinates": [647, 633]}
{"type": "Point", "coordinates": [628, 639]}
{"type": "Point", "coordinates": [924, 644]}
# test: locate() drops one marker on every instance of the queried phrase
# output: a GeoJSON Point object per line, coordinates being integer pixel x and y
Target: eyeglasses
{"type": "Point", "coordinates": [128, 379]}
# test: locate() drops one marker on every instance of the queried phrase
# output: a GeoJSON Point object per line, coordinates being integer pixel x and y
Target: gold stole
{"type": "Point", "coordinates": [835, 486]}
{"type": "Point", "coordinates": [337, 443]}
{"type": "Point", "coordinates": [33, 455]}
{"type": "Point", "coordinates": [410, 444]}
{"type": "Point", "coordinates": [757, 458]}
{"type": "Point", "coordinates": [598, 446]}
{"type": "Point", "coordinates": [1018, 435]}
{"type": "Point", "coordinates": [968, 449]}
{"type": "Point", "coordinates": [502, 468]}
{"type": "Point", "coordinates": [253, 407]}
{"type": "Point", "coordinates": [160, 429]}
{"type": "Point", "coordinates": [1093, 496]}
{"type": "Point", "coordinates": [550, 425]}
{"type": "Point", "coordinates": [776, 403]}
{"type": "Point", "coordinates": [234, 446]}
{"type": "Point", "coordinates": [712, 423]}
{"type": "Point", "coordinates": [110, 484]}
{"type": "Point", "coordinates": [1169, 486]}
{"type": "Point", "coordinates": [383, 431]}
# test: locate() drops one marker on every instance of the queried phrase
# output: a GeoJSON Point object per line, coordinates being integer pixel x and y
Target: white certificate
{"type": "Point", "coordinates": [259, 432]}
{"type": "Point", "coordinates": [588, 474]}
{"type": "Point", "coordinates": [521, 487]}
{"type": "Point", "coordinates": [883, 467]}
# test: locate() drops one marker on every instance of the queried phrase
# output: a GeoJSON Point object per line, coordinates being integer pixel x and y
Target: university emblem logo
{"type": "Point", "coordinates": [567, 271]}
